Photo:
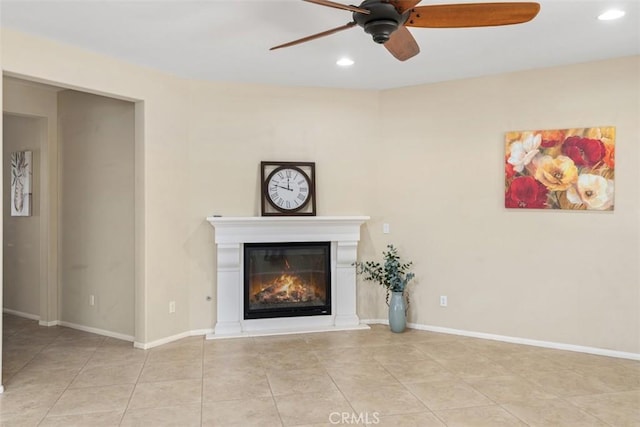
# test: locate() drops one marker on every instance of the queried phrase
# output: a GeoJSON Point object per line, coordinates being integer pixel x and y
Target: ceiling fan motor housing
{"type": "Point", "coordinates": [383, 20]}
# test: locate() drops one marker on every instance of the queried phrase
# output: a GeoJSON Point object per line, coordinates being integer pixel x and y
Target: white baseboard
{"type": "Point", "coordinates": [516, 340]}
{"type": "Point", "coordinates": [21, 314]}
{"type": "Point", "coordinates": [167, 340]}
{"type": "Point", "coordinates": [97, 331]}
{"type": "Point", "coordinates": [49, 324]}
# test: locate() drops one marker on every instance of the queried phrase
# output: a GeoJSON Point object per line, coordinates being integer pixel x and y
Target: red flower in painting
{"type": "Point", "coordinates": [508, 169]}
{"type": "Point", "coordinates": [584, 151]}
{"type": "Point", "coordinates": [526, 192]}
{"type": "Point", "coordinates": [551, 138]}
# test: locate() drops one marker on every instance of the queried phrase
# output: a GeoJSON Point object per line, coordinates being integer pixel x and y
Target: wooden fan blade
{"type": "Point", "coordinates": [403, 5]}
{"type": "Point", "coordinates": [315, 36]}
{"type": "Point", "coordinates": [402, 45]}
{"type": "Point", "coordinates": [339, 6]}
{"type": "Point", "coordinates": [472, 15]}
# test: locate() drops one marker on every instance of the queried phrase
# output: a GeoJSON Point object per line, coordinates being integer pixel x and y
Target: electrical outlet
{"type": "Point", "coordinates": [443, 300]}
{"type": "Point", "coordinates": [172, 306]}
{"type": "Point", "coordinates": [92, 300]}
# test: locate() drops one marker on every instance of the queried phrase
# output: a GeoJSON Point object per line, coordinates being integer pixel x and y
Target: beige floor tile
{"type": "Point", "coordinates": [510, 388]}
{"type": "Point", "coordinates": [180, 350]}
{"type": "Point", "coordinates": [98, 419]}
{"type": "Point", "coordinates": [280, 343]}
{"type": "Point", "coordinates": [314, 380]}
{"type": "Point", "coordinates": [421, 419]}
{"type": "Point", "coordinates": [448, 395]}
{"type": "Point", "coordinates": [114, 354]}
{"type": "Point", "coordinates": [310, 408]}
{"type": "Point", "coordinates": [616, 377]}
{"type": "Point", "coordinates": [617, 409]}
{"type": "Point", "coordinates": [491, 348]}
{"type": "Point", "coordinates": [385, 400]}
{"type": "Point", "coordinates": [628, 363]}
{"type": "Point", "coordinates": [368, 374]}
{"type": "Point", "coordinates": [479, 416]}
{"type": "Point", "coordinates": [349, 355]}
{"type": "Point", "coordinates": [168, 371]}
{"type": "Point", "coordinates": [393, 353]}
{"type": "Point", "coordinates": [229, 364]}
{"type": "Point", "coordinates": [477, 367]}
{"type": "Point", "coordinates": [234, 381]}
{"type": "Point", "coordinates": [29, 399]}
{"type": "Point", "coordinates": [32, 375]}
{"type": "Point", "coordinates": [166, 393]}
{"type": "Point", "coordinates": [92, 399]}
{"type": "Point", "coordinates": [447, 350]}
{"type": "Point", "coordinates": [231, 346]}
{"type": "Point", "coordinates": [175, 416]}
{"type": "Point", "coordinates": [567, 383]}
{"type": "Point", "coordinates": [14, 360]}
{"type": "Point", "coordinates": [329, 340]}
{"type": "Point", "coordinates": [54, 359]}
{"type": "Point", "coordinates": [235, 386]}
{"type": "Point", "coordinates": [27, 418]}
{"type": "Point", "coordinates": [572, 359]}
{"type": "Point", "coordinates": [260, 412]}
{"type": "Point", "coordinates": [528, 362]}
{"type": "Point", "coordinates": [419, 371]}
{"type": "Point", "coordinates": [102, 375]}
{"type": "Point", "coordinates": [288, 360]}
{"type": "Point", "coordinates": [552, 413]}
{"type": "Point", "coordinates": [428, 337]}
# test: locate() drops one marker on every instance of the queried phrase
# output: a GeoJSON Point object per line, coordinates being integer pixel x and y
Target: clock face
{"type": "Point", "coordinates": [288, 189]}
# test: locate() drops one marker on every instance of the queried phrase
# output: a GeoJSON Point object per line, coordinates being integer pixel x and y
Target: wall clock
{"type": "Point", "coordinates": [288, 188]}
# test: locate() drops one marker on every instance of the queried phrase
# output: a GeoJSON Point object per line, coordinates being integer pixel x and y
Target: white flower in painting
{"type": "Point", "coordinates": [594, 191]}
{"type": "Point", "coordinates": [522, 152]}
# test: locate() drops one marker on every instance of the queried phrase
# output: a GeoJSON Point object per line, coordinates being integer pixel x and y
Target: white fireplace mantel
{"type": "Point", "coordinates": [231, 233]}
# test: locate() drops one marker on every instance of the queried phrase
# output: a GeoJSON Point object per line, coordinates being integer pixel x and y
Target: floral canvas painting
{"type": "Point", "coordinates": [560, 169]}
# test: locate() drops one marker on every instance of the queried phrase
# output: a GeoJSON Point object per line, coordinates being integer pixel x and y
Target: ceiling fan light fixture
{"type": "Point", "coordinates": [345, 62]}
{"type": "Point", "coordinates": [611, 14]}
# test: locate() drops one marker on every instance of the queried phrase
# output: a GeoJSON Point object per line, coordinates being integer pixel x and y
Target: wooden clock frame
{"type": "Point", "coordinates": [270, 209]}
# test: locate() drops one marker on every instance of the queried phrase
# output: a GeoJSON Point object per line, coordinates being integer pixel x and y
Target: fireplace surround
{"type": "Point", "coordinates": [233, 235]}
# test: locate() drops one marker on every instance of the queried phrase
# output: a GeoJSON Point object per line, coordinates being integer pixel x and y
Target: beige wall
{"type": "Point", "coordinates": [428, 160]}
{"type": "Point", "coordinates": [21, 235]}
{"type": "Point", "coordinates": [569, 277]}
{"type": "Point", "coordinates": [96, 136]}
{"type": "Point", "coordinates": [40, 101]}
{"type": "Point", "coordinates": [234, 127]}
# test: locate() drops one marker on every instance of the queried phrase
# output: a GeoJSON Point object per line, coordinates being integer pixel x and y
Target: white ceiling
{"type": "Point", "coordinates": [224, 40]}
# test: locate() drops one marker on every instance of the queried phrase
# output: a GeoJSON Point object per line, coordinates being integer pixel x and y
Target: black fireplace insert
{"type": "Point", "coordinates": [287, 279]}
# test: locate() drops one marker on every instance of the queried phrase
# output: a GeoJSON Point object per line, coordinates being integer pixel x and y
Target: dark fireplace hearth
{"type": "Point", "coordinates": [287, 279]}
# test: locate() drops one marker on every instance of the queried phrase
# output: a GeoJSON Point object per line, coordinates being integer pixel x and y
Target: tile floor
{"type": "Point", "coordinates": [63, 377]}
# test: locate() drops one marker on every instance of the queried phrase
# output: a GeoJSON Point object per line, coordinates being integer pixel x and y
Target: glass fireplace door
{"type": "Point", "coordinates": [287, 279]}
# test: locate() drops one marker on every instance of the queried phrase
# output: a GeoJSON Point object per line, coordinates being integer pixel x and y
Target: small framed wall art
{"type": "Point", "coordinates": [288, 188]}
{"type": "Point", "coordinates": [21, 177]}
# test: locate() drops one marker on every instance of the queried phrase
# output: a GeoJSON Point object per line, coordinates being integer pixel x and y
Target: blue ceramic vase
{"type": "Point", "coordinates": [397, 312]}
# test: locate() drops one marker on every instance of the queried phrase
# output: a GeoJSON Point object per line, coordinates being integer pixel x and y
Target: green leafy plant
{"type": "Point", "coordinates": [393, 275]}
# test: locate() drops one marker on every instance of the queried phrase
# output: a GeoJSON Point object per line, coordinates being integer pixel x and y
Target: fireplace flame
{"type": "Point", "coordinates": [284, 289]}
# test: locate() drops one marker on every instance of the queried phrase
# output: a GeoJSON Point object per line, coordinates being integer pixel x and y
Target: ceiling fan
{"type": "Point", "coordinates": [387, 20]}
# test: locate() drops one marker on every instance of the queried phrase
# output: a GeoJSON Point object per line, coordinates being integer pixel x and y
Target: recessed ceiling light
{"type": "Point", "coordinates": [611, 14]}
{"type": "Point", "coordinates": [345, 62]}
